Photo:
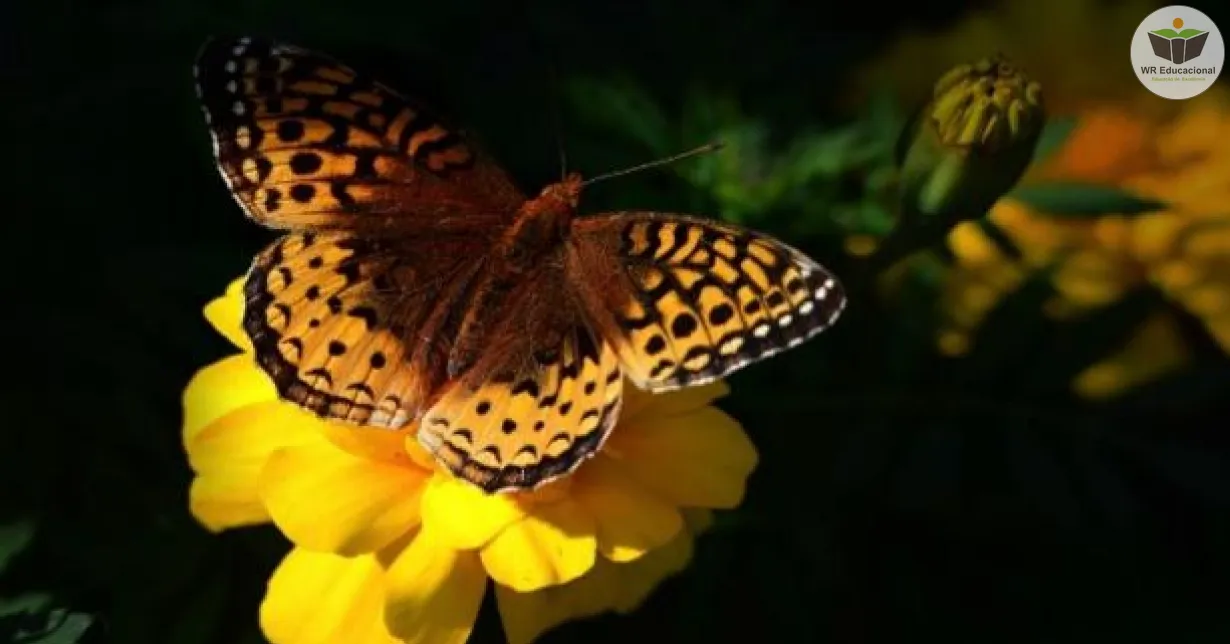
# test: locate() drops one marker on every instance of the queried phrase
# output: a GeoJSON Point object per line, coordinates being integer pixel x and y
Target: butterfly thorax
{"type": "Point", "coordinates": [540, 227]}
{"type": "Point", "coordinates": [534, 241]}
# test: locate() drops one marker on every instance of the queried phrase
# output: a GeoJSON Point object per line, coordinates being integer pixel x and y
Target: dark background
{"type": "Point", "coordinates": [900, 496]}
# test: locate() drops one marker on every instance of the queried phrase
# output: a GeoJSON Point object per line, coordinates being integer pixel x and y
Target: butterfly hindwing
{"type": "Point", "coordinates": [350, 328]}
{"type": "Point", "coordinates": [305, 142]}
{"type": "Point", "coordinates": [685, 301]}
{"type": "Point", "coordinates": [540, 401]}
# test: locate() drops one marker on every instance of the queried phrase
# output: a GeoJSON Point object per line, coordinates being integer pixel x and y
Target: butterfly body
{"type": "Point", "coordinates": [417, 288]}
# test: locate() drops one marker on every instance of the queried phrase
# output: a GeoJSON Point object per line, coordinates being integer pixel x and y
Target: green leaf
{"type": "Point", "coordinates": [14, 538]}
{"type": "Point", "coordinates": [32, 619]}
{"type": "Point", "coordinates": [1054, 134]}
{"type": "Point", "coordinates": [1083, 200]}
{"type": "Point", "coordinates": [27, 603]}
{"type": "Point", "coordinates": [63, 628]}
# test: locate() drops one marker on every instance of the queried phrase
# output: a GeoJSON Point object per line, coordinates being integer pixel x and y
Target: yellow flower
{"type": "Point", "coordinates": [1165, 151]}
{"type": "Point", "coordinates": [1183, 250]}
{"type": "Point", "coordinates": [388, 548]}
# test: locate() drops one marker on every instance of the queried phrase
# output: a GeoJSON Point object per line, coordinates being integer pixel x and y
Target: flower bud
{"type": "Point", "coordinates": [967, 147]}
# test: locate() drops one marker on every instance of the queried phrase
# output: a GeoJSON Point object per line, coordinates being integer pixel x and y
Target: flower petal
{"type": "Point", "coordinates": [328, 500]}
{"type": "Point", "coordinates": [226, 315]}
{"type": "Point", "coordinates": [223, 502]}
{"type": "Point", "coordinates": [700, 458]}
{"type": "Point", "coordinates": [553, 545]}
{"type": "Point", "coordinates": [385, 445]}
{"type": "Point", "coordinates": [463, 515]}
{"type": "Point", "coordinates": [221, 388]}
{"type": "Point", "coordinates": [639, 578]}
{"type": "Point", "coordinates": [630, 518]}
{"type": "Point", "coordinates": [607, 586]}
{"type": "Point", "coordinates": [320, 598]}
{"type": "Point", "coordinates": [432, 592]}
{"type": "Point", "coordinates": [526, 616]}
{"type": "Point", "coordinates": [638, 403]}
{"type": "Point", "coordinates": [228, 454]}
{"type": "Point", "coordinates": [697, 520]}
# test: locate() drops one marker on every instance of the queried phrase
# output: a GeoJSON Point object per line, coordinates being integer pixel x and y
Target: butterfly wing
{"type": "Point", "coordinates": [538, 402]}
{"type": "Point", "coordinates": [356, 329]}
{"type": "Point", "coordinates": [305, 142]}
{"type": "Point", "coordinates": [685, 301]}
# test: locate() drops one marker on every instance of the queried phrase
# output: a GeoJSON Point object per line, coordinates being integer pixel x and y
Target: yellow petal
{"type": "Point", "coordinates": [1091, 279]}
{"type": "Point", "coordinates": [607, 586]}
{"type": "Point", "coordinates": [228, 455]}
{"type": "Point", "coordinates": [526, 616]}
{"type": "Point", "coordinates": [223, 502]}
{"type": "Point", "coordinates": [553, 545]}
{"type": "Point", "coordinates": [221, 388]}
{"type": "Point", "coordinates": [701, 458]}
{"type": "Point", "coordinates": [463, 516]}
{"type": "Point", "coordinates": [1220, 330]}
{"type": "Point", "coordinates": [384, 445]}
{"type": "Point", "coordinates": [226, 315]}
{"type": "Point", "coordinates": [639, 578]}
{"type": "Point", "coordinates": [328, 500]}
{"type": "Point", "coordinates": [1156, 349]}
{"type": "Point", "coordinates": [432, 591]}
{"type": "Point", "coordinates": [638, 403]}
{"type": "Point", "coordinates": [630, 519]}
{"type": "Point", "coordinates": [320, 598]}
{"type": "Point", "coordinates": [697, 520]}
{"type": "Point", "coordinates": [1154, 235]}
{"type": "Point", "coordinates": [971, 246]}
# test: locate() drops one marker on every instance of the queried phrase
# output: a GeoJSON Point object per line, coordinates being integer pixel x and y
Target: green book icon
{"type": "Point", "coordinates": [1178, 47]}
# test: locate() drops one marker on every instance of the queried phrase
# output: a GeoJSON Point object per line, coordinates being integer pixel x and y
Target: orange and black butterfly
{"type": "Point", "coordinates": [416, 283]}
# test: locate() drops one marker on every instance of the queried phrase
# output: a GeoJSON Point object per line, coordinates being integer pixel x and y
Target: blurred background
{"type": "Point", "coordinates": [1016, 435]}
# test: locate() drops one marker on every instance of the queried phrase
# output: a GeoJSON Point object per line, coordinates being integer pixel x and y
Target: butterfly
{"type": "Point", "coordinates": [415, 283]}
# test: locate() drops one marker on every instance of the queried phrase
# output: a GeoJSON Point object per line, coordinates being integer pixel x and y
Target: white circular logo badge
{"type": "Point", "coordinates": [1177, 52]}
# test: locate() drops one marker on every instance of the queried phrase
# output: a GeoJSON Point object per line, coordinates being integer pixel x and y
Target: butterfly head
{"type": "Point", "coordinates": [541, 225]}
{"type": "Point", "coordinates": [565, 195]}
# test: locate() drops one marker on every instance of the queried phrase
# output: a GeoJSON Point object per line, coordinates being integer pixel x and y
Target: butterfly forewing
{"type": "Point", "coordinates": [685, 301]}
{"type": "Point", "coordinates": [352, 328]}
{"type": "Point", "coordinates": [305, 142]}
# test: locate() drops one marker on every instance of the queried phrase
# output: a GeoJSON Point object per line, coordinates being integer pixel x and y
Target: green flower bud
{"type": "Point", "coordinates": [966, 148]}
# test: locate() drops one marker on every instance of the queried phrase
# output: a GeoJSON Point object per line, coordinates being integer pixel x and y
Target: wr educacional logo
{"type": "Point", "coordinates": [1177, 52]}
{"type": "Point", "coordinates": [1177, 46]}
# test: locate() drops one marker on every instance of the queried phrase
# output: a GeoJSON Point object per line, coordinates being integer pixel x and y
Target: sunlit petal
{"type": "Point", "coordinates": [553, 545]}
{"type": "Point", "coordinates": [228, 455]}
{"type": "Point", "coordinates": [328, 500]}
{"type": "Point", "coordinates": [319, 598]}
{"type": "Point", "coordinates": [463, 516]}
{"type": "Point", "coordinates": [225, 313]}
{"type": "Point", "coordinates": [432, 592]}
{"type": "Point", "coordinates": [630, 519]}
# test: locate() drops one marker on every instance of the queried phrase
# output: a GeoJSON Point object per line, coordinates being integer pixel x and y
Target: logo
{"type": "Point", "coordinates": [1177, 52]}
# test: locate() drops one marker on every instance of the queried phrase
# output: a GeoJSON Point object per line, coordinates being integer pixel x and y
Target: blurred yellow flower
{"type": "Point", "coordinates": [1124, 138]}
{"type": "Point", "coordinates": [1183, 250]}
{"type": "Point", "coordinates": [388, 548]}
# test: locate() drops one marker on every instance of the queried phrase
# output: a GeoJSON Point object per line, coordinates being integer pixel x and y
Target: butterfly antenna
{"type": "Point", "coordinates": [712, 146]}
{"type": "Point", "coordinates": [557, 123]}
